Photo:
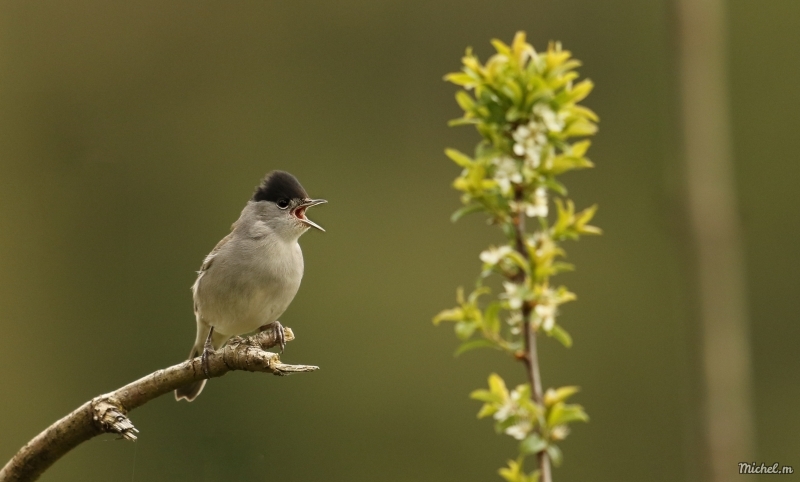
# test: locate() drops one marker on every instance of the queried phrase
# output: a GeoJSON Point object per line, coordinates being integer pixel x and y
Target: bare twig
{"type": "Point", "coordinates": [108, 413]}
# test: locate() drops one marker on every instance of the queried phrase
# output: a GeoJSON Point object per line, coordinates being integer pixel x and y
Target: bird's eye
{"type": "Point", "coordinates": [283, 203]}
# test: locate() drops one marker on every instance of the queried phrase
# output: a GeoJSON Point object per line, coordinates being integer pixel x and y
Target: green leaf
{"type": "Point", "coordinates": [501, 425]}
{"type": "Point", "coordinates": [472, 345]}
{"type": "Point", "coordinates": [483, 290]}
{"type": "Point", "coordinates": [513, 92]}
{"type": "Point", "coordinates": [465, 329]}
{"type": "Point", "coordinates": [512, 473]}
{"type": "Point", "coordinates": [487, 410]}
{"type": "Point", "coordinates": [459, 158]}
{"type": "Point", "coordinates": [585, 216]}
{"type": "Point", "coordinates": [519, 261]}
{"type": "Point", "coordinates": [453, 314]}
{"type": "Point", "coordinates": [579, 148]}
{"type": "Point", "coordinates": [580, 127]}
{"type": "Point", "coordinates": [562, 164]}
{"type": "Point", "coordinates": [565, 216]}
{"type": "Point", "coordinates": [501, 47]}
{"type": "Point", "coordinates": [561, 335]}
{"type": "Point", "coordinates": [559, 395]}
{"type": "Point", "coordinates": [565, 295]}
{"type": "Point", "coordinates": [561, 414]}
{"type": "Point", "coordinates": [461, 78]}
{"type": "Point", "coordinates": [491, 318]}
{"type": "Point", "coordinates": [514, 114]}
{"type": "Point", "coordinates": [533, 444]}
{"type": "Point", "coordinates": [555, 186]}
{"type": "Point", "coordinates": [582, 111]}
{"type": "Point", "coordinates": [515, 473]}
{"type": "Point", "coordinates": [555, 454]}
{"type": "Point", "coordinates": [465, 101]}
{"type": "Point", "coordinates": [533, 476]}
{"type": "Point", "coordinates": [519, 46]}
{"type": "Point", "coordinates": [560, 267]}
{"type": "Point", "coordinates": [462, 121]}
{"type": "Point", "coordinates": [588, 229]}
{"type": "Point", "coordinates": [468, 209]}
{"type": "Point", "coordinates": [498, 386]}
{"type": "Point", "coordinates": [486, 396]}
{"type": "Point", "coordinates": [581, 90]}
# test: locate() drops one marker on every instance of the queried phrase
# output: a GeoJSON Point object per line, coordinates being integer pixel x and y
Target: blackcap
{"type": "Point", "coordinates": [251, 276]}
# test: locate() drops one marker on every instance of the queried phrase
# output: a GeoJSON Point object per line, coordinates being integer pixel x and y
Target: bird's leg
{"type": "Point", "coordinates": [207, 349]}
{"type": "Point", "coordinates": [278, 331]}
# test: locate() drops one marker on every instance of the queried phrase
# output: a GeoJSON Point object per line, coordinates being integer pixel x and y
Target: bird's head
{"type": "Point", "coordinates": [283, 203]}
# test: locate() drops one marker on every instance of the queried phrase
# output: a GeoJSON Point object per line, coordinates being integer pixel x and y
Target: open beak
{"type": "Point", "coordinates": [300, 212]}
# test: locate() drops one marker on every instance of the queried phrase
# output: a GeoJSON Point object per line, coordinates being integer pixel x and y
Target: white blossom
{"type": "Point", "coordinates": [528, 142]}
{"type": "Point", "coordinates": [505, 411]}
{"type": "Point", "coordinates": [546, 310]}
{"type": "Point", "coordinates": [547, 315]}
{"type": "Point", "coordinates": [539, 206]}
{"type": "Point", "coordinates": [514, 320]}
{"type": "Point", "coordinates": [531, 139]}
{"type": "Point", "coordinates": [522, 133]}
{"type": "Point", "coordinates": [515, 410]}
{"type": "Point", "coordinates": [507, 171]}
{"type": "Point", "coordinates": [493, 255]}
{"type": "Point", "coordinates": [519, 430]}
{"type": "Point", "coordinates": [554, 122]}
{"type": "Point", "coordinates": [504, 183]}
{"type": "Point", "coordinates": [513, 295]}
{"type": "Point", "coordinates": [559, 432]}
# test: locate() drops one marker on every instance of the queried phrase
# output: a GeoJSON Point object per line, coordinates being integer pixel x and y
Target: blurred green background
{"type": "Point", "coordinates": [131, 135]}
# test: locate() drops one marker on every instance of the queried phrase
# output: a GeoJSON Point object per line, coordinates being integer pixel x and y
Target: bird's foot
{"type": "Point", "coordinates": [208, 349]}
{"type": "Point", "coordinates": [278, 333]}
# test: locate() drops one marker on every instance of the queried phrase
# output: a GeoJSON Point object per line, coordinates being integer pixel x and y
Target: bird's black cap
{"type": "Point", "coordinates": [279, 185]}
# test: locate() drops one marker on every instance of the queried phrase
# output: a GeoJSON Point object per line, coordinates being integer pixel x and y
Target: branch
{"type": "Point", "coordinates": [531, 358]}
{"type": "Point", "coordinates": [108, 413]}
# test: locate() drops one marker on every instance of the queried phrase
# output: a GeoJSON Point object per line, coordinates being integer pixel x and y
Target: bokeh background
{"type": "Point", "coordinates": [132, 133]}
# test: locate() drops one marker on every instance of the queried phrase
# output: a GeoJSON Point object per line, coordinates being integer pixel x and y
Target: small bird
{"type": "Point", "coordinates": [251, 276]}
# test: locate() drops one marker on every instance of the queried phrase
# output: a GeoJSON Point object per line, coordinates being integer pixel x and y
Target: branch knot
{"type": "Point", "coordinates": [110, 416]}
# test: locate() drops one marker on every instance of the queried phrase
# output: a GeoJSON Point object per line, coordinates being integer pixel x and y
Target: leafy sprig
{"type": "Point", "coordinates": [525, 105]}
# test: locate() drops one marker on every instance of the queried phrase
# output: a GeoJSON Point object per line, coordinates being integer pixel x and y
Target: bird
{"type": "Point", "coordinates": [252, 275]}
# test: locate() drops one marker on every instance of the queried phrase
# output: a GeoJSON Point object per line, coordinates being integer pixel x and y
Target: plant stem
{"type": "Point", "coordinates": [531, 359]}
{"type": "Point", "coordinates": [535, 379]}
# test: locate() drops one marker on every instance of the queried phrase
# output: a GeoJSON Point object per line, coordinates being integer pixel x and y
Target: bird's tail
{"type": "Point", "coordinates": [191, 391]}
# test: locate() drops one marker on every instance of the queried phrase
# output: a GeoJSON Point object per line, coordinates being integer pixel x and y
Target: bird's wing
{"type": "Point", "coordinates": [213, 254]}
{"type": "Point", "coordinates": [207, 262]}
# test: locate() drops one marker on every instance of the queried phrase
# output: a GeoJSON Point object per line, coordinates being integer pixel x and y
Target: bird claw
{"type": "Point", "coordinates": [278, 332]}
{"type": "Point", "coordinates": [208, 349]}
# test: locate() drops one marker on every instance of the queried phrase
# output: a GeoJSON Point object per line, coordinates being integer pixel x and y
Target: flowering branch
{"type": "Point", "coordinates": [525, 106]}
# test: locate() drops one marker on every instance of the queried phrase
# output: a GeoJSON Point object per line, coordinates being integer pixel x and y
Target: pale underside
{"type": "Point", "coordinates": [245, 284]}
